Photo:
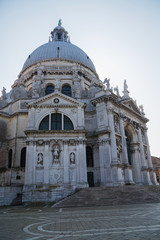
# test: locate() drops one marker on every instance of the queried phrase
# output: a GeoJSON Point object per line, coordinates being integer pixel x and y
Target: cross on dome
{"type": "Point", "coordinates": [60, 23]}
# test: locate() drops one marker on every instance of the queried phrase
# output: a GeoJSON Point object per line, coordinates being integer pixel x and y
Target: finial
{"type": "Point", "coordinates": [59, 22]}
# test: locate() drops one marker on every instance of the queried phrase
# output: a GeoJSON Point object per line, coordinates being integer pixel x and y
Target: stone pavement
{"type": "Point", "coordinates": [123, 222]}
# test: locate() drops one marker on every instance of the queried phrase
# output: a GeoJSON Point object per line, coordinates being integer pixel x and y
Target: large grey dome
{"type": "Point", "coordinates": [59, 50]}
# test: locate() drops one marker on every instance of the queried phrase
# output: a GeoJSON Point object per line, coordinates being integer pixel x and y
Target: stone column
{"type": "Point", "coordinates": [117, 172]}
{"type": "Point", "coordinates": [136, 163]}
{"type": "Point", "coordinates": [105, 162]}
{"type": "Point", "coordinates": [128, 177]}
{"type": "Point", "coordinates": [101, 163]}
{"type": "Point", "coordinates": [81, 160]}
{"type": "Point", "coordinates": [29, 163]}
{"type": "Point", "coordinates": [46, 162]}
{"type": "Point", "coordinates": [150, 165]}
{"type": "Point", "coordinates": [146, 178]}
{"type": "Point", "coordinates": [66, 161]}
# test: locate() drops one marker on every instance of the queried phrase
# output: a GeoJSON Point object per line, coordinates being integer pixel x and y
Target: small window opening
{"type": "Point", "coordinates": [66, 89]}
{"type": "Point", "coordinates": [49, 89]}
{"type": "Point", "coordinates": [59, 36]}
{"type": "Point", "coordinates": [58, 52]}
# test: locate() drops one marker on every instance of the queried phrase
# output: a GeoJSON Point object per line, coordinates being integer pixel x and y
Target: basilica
{"type": "Point", "coordinates": [62, 128]}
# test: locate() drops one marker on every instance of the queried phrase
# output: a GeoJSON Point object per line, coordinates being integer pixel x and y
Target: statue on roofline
{"type": "Point", "coordinates": [4, 96]}
{"type": "Point", "coordinates": [107, 81]}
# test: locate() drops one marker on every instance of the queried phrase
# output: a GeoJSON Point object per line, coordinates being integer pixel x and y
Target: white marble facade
{"type": "Point", "coordinates": [77, 131]}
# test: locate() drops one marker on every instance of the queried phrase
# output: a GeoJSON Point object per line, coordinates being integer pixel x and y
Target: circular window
{"type": "Point", "coordinates": [56, 100]}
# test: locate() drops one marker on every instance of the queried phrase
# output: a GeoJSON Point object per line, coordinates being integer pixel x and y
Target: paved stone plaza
{"type": "Point", "coordinates": [112, 222]}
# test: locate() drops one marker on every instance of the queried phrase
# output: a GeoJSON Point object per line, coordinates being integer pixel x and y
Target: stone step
{"type": "Point", "coordinates": [104, 196]}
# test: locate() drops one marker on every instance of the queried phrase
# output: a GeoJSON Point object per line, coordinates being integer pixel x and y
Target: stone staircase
{"type": "Point", "coordinates": [105, 196]}
{"type": "Point", "coordinates": [17, 200]}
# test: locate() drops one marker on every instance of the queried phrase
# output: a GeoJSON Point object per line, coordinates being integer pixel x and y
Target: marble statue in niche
{"type": "Point", "coordinates": [72, 158]}
{"type": "Point", "coordinates": [56, 154]}
{"type": "Point", "coordinates": [40, 159]}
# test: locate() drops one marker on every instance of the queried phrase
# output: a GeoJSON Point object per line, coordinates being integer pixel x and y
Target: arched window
{"type": "Point", "coordinates": [66, 89]}
{"type": "Point", "coordinates": [56, 121]}
{"type": "Point", "coordinates": [89, 156]}
{"type": "Point", "coordinates": [44, 125]}
{"type": "Point", "coordinates": [23, 157]}
{"type": "Point", "coordinates": [49, 89]}
{"type": "Point", "coordinates": [68, 125]}
{"type": "Point", "coordinates": [10, 158]}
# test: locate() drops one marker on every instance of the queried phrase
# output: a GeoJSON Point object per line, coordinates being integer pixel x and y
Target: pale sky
{"type": "Point", "coordinates": [122, 37]}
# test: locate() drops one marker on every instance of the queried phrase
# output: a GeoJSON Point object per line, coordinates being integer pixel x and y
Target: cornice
{"type": "Point", "coordinates": [53, 132]}
{"type": "Point", "coordinates": [53, 106]}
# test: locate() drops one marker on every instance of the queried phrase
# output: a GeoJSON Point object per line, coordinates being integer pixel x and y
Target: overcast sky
{"type": "Point", "coordinates": [122, 37]}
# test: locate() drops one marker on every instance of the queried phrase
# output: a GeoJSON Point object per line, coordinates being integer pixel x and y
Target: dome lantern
{"type": "Point", "coordinates": [59, 33]}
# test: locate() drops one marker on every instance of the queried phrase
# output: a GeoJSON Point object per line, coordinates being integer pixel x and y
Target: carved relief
{"type": "Point", "coordinates": [119, 147]}
{"type": "Point", "coordinates": [40, 159]}
{"type": "Point", "coordinates": [72, 158]}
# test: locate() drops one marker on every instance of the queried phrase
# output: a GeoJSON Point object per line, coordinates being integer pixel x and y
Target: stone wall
{"type": "Point", "coordinates": [8, 194]}
{"type": "Point", "coordinates": [14, 176]}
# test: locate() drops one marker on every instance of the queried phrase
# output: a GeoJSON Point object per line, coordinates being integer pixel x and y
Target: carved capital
{"type": "Point", "coordinates": [110, 110]}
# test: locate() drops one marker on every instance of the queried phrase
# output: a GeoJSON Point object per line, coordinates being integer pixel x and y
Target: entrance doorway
{"type": "Point", "coordinates": [90, 166]}
{"type": "Point", "coordinates": [90, 178]}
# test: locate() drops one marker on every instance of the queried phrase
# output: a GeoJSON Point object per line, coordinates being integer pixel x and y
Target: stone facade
{"type": "Point", "coordinates": [68, 129]}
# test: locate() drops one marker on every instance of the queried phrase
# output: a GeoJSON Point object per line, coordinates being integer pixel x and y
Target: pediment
{"type": "Point", "coordinates": [55, 100]}
{"type": "Point", "coordinates": [130, 104]}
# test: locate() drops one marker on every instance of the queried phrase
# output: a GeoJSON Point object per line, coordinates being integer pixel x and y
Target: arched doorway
{"type": "Point", "coordinates": [90, 165]}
